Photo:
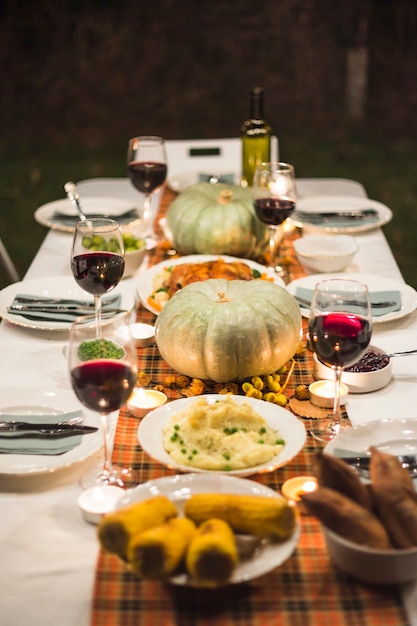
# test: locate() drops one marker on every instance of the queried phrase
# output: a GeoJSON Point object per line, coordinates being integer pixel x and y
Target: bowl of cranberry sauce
{"type": "Point", "coordinates": [373, 371]}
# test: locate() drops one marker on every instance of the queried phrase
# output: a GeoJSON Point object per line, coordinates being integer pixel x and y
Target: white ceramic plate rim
{"type": "Point", "coordinates": [24, 399]}
{"type": "Point", "coordinates": [145, 282]}
{"type": "Point", "coordinates": [58, 286]}
{"type": "Point", "coordinates": [94, 205]}
{"type": "Point", "coordinates": [179, 489]}
{"type": "Point", "coordinates": [288, 426]}
{"type": "Point", "coordinates": [181, 181]}
{"type": "Point", "coordinates": [327, 203]}
{"type": "Point", "coordinates": [389, 435]}
{"type": "Point", "coordinates": [373, 282]}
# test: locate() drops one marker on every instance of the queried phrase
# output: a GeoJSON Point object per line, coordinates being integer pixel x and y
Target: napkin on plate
{"type": "Point", "coordinates": [66, 219]}
{"type": "Point", "coordinates": [393, 297]}
{"type": "Point", "coordinates": [22, 443]}
{"type": "Point", "coordinates": [58, 309]}
{"type": "Point", "coordinates": [229, 179]}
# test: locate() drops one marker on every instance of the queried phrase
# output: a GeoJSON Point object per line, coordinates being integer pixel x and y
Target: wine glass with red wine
{"type": "Point", "coordinates": [274, 193]}
{"type": "Point", "coordinates": [147, 170]}
{"type": "Point", "coordinates": [340, 328]}
{"type": "Point", "coordinates": [97, 258]}
{"type": "Point", "coordinates": [103, 374]}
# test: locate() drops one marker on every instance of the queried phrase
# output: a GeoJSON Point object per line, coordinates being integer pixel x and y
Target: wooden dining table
{"type": "Point", "coordinates": [53, 569]}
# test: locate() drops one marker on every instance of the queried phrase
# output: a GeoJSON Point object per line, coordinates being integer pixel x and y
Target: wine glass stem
{"type": "Point", "coordinates": [336, 401]}
{"type": "Point", "coordinates": [107, 465]}
{"type": "Point", "coordinates": [273, 247]}
{"type": "Point", "coordinates": [147, 213]}
{"type": "Point", "coordinates": [97, 308]}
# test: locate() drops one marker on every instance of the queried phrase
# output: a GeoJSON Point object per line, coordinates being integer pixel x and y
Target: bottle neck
{"type": "Point", "coordinates": [257, 104]}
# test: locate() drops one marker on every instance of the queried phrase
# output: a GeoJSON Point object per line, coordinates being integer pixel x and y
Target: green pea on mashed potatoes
{"type": "Point", "coordinates": [222, 436]}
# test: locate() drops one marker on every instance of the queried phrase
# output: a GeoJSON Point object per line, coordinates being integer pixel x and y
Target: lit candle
{"type": "Point", "coordinates": [322, 393]}
{"type": "Point", "coordinates": [279, 186]}
{"type": "Point", "coordinates": [294, 488]}
{"type": "Point", "coordinates": [143, 334]}
{"type": "Point", "coordinates": [97, 501]}
{"type": "Point", "coordinates": [144, 400]}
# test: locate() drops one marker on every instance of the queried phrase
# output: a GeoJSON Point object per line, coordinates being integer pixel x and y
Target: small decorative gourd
{"type": "Point", "coordinates": [225, 330]}
{"type": "Point", "coordinates": [216, 219]}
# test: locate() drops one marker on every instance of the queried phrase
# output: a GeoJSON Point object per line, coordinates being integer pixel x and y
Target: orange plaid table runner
{"type": "Point", "coordinates": [307, 590]}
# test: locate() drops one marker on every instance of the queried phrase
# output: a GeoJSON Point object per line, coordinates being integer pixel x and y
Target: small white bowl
{"type": "Point", "coordinates": [142, 334]}
{"type": "Point", "coordinates": [369, 565]}
{"type": "Point", "coordinates": [133, 261]}
{"type": "Point", "coordinates": [325, 253]}
{"type": "Point", "coordinates": [357, 382]}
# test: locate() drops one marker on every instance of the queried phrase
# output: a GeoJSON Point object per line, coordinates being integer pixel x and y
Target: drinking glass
{"type": "Point", "coordinates": [147, 170]}
{"type": "Point", "coordinates": [103, 374]}
{"type": "Point", "coordinates": [97, 258]}
{"type": "Point", "coordinates": [274, 193]}
{"type": "Point", "coordinates": [340, 328]}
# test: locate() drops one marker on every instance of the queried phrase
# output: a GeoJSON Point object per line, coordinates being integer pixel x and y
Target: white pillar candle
{"type": "Point", "coordinates": [144, 400]}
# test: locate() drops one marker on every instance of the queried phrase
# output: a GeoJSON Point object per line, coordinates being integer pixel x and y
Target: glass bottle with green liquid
{"type": "Point", "coordinates": [256, 137]}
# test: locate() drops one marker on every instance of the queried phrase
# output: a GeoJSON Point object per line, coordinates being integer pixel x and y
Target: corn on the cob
{"type": "Point", "coordinates": [212, 554]}
{"type": "Point", "coordinates": [117, 528]}
{"type": "Point", "coordinates": [156, 553]}
{"type": "Point", "coordinates": [248, 514]}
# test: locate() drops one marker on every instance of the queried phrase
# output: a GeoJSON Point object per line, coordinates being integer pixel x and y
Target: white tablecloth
{"type": "Point", "coordinates": [48, 552]}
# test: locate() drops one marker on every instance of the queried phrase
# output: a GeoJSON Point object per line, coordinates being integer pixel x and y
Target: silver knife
{"type": "Point", "coordinates": [12, 427]}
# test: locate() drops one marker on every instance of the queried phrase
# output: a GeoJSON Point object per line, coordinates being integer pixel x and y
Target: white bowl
{"type": "Point", "coordinates": [357, 382]}
{"type": "Point", "coordinates": [369, 565]}
{"type": "Point", "coordinates": [133, 261]}
{"type": "Point", "coordinates": [325, 253]}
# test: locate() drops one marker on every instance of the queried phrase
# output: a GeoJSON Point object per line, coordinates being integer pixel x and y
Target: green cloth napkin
{"type": "Point", "coordinates": [22, 443]}
{"type": "Point", "coordinates": [66, 219]}
{"type": "Point", "coordinates": [229, 179]}
{"type": "Point", "coordinates": [56, 314]}
{"type": "Point", "coordinates": [392, 296]}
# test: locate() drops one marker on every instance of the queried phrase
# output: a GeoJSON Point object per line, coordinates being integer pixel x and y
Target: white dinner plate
{"type": "Point", "coordinates": [396, 436]}
{"type": "Point", "coordinates": [146, 280]}
{"type": "Point", "coordinates": [373, 282]}
{"type": "Point", "coordinates": [181, 181]}
{"type": "Point", "coordinates": [150, 433]}
{"type": "Point", "coordinates": [30, 400]}
{"type": "Point", "coordinates": [327, 203]}
{"type": "Point", "coordinates": [267, 555]}
{"type": "Point", "coordinates": [92, 206]}
{"type": "Point", "coordinates": [59, 287]}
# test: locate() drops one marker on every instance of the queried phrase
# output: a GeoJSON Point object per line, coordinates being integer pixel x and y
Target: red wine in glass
{"type": "Point", "coordinates": [147, 177]}
{"type": "Point", "coordinates": [98, 272]}
{"type": "Point", "coordinates": [339, 339]}
{"type": "Point", "coordinates": [274, 210]}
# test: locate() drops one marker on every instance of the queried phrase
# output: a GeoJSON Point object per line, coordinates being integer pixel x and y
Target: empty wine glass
{"type": "Point", "coordinates": [340, 328]}
{"type": "Point", "coordinates": [274, 193]}
{"type": "Point", "coordinates": [103, 374]}
{"type": "Point", "coordinates": [97, 258]}
{"type": "Point", "coordinates": [147, 170]}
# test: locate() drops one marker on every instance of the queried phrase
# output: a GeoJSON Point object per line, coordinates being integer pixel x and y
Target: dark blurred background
{"type": "Point", "coordinates": [78, 78]}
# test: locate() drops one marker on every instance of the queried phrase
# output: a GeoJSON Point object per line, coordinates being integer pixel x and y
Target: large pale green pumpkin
{"type": "Point", "coordinates": [215, 219]}
{"type": "Point", "coordinates": [228, 330]}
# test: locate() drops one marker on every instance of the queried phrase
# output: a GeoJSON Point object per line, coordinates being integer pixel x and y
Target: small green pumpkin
{"type": "Point", "coordinates": [216, 219]}
{"type": "Point", "coordinates": [225, 330]}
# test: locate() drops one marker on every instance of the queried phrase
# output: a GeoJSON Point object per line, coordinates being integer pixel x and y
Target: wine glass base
{"type": "Point", "coordinates": [327, 429]}
{"type": "Point", "coordinates": [117, 477]}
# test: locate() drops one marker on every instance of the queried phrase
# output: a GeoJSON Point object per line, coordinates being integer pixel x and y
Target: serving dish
{"type": "Point", "coordinates": [267, 555]}
{"type": "Point", "coordinates": [378, 287]}
{"type": "Point", "coordinates": [53, 214]}
{"type": "Point", "coordinates": [27, 401]}
{"type": "Point", "coordinates": [57, 287]}
{"type": "Point", "coordinates": [146, 280]}
{"type": "Point", "coordinates": [328, 203]}
{"type": "Point", "coordinates": [325, 253]}
{"type": "Point", "coordinates": [288, 426]}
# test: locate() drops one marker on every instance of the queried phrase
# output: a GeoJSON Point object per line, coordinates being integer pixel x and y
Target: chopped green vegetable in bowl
{"type": "Point", "coordinates": [100, 349]}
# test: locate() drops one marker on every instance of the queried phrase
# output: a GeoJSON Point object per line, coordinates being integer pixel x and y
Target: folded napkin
{"type": "Point", "coordinates": [392, 298]}
{"type": "Point", "coordinates": [58, 309]}
{"type": "Point", "coordinates": [229, 179]}
{"type": "Point", "coordinates": [22, 442]}
{"type": "Point", "coordinates": [336, 221]}
{"type": "Point", "coordinates": [66, 219]}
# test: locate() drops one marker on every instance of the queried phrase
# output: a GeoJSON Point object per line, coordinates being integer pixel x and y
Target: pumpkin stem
{"type": "Point", "coordinates": [225, 196]}
{"type": "Point", "coordinates": [222, 297]}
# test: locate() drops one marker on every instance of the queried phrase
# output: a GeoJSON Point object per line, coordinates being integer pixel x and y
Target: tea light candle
{"type": "Point", "coordinates": [143, 334]}
{"type": "Point", "coordinates": [294, 488]}
{"type": "Point", "coordinates": [322, 393]}
{"type": "Point", "coordinates": [144, 400]}
{"type": "Point", "coordinates": [97, 501]}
